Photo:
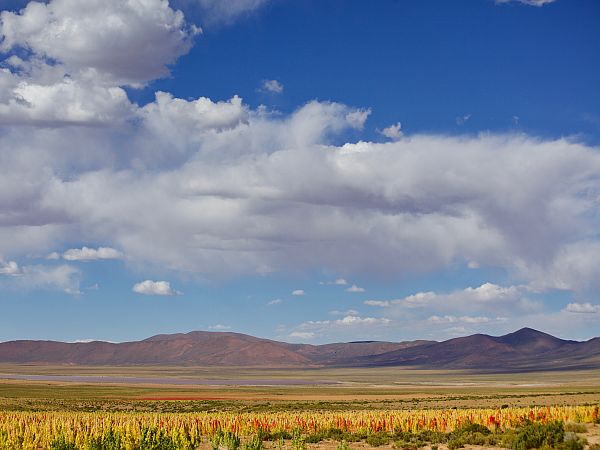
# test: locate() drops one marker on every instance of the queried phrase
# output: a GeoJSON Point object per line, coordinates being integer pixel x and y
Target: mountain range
{"type": "Point", "coordinates": [523, 350]}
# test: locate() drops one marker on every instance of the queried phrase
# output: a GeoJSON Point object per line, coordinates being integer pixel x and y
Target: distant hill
{"type": "Point", "coordinates": [526, 349]}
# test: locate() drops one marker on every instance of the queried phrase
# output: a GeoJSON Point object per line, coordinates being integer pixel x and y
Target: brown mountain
{"type": "Point", "coordinates": [194, 348]}
{"type": "Point", "coordinates": [525, 349]}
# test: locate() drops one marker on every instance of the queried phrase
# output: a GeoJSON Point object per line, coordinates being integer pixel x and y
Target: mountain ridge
{"type": "Point", "coordinates": [524, 349]}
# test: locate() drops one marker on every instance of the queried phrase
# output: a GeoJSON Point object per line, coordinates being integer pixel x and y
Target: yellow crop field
{"type": "Point", "coordinates": [34, 430]}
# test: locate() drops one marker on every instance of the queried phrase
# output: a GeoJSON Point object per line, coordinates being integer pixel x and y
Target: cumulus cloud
{"type": "Point", "coordinates": [302, 335]}
{"type": "Point", "coordinates": [379, 303]}
{"type": "Point", "coordinates": [62, 277]}
{"type": "Point", "coordinates": [235, 189]}
{"type": "Point", "coordinates": [149, 287]}
{"type": "Point", "coordinates": [465, 319]}
{"type": "Point", "coordinates": [220, 189]}
{"type": "Point", "coordinates": [349, 320]}
{"type": "Point", "coordinates": [393, 132]}
{"type": "Point", "coordinates": [66, 102]}
{"type": "Point", "coordinates": [355, 289]}
{"type": "Point", "coordinates": [573, 267]}
{"type": "Point", "coordinates": [275, 301]}
{"type": "Point", "coordinates": [350, 326]}
{"type": "Point", "coordinates": [485, 298]}
{"type": "Point", "coordinates": [272, 86]}
{"type": "Point", "coordinates": [91, 254]}
{"type": "Point", "coordinates": [219, 327]}
{"type": "Point", "coordinates": [9, 268]}
{"type": "Point", "coordinates": [298, 292]}
{"type": "Point", "coordinates": [337, 282]}
{"type": "Point", "coordinates": [584, 308]}
{"type": "Point", "coordinates": [122, 42]}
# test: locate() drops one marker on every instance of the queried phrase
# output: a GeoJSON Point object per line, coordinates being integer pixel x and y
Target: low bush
{"type": "Point", "coordinates": [575, 427]}
{"type": "Point", "coordinates": [61, 443]}
{"type": "Point", "coordinates": [537, 435]}
{"type": "Point", "coordinates": [109, 441]}
{"type": "Point", "coordinates": [256, 443]}
{"type": "Point", "coordinates": [378, 439]}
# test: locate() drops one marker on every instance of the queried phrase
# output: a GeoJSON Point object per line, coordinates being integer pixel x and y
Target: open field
{"type": "Point", "coordinates": [386, 407]}
{"type": "Point", "coordinates": [387, 388]}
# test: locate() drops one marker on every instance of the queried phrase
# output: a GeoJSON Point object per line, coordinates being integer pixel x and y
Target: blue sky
{"type": "Point", "coordinates": [309, 171]}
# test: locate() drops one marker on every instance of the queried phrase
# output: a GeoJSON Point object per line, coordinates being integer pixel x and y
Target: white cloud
{"type": "Point", "coordinates": [528, 2]}
{"type": "Point", "coordinates": [149, 287]}
{"type": "Point", "coordinates": [584, 308]}
{"type": "Point", "coordinates": [393, 132]}
{"type": "Point", "coordinates": [355, 289]}
{"type": "Point", "coordinates": [379, 303]}
{"type": "Point", "coordinates": [298, 292]}
{"type": "Point", "coordinates": [349, 312]}
{"type": "Point", "coordinates": [219, 11]}
{"type": "Point", "coordinates": [220, 189]}
{"type": "Point", "coordinates": [275, 301]}
{"type": "Point", "coordinates": [357, 118]}
{"type": "Point", "coordinates": [9, 268]}
{"type": "Point", "coordinates": [349, 327]}
{"type": "Point", "coordinates": [308, 335]}
{"type": "Point", "coordinates": [239, 194]}
{"type": "Point", "coordinates": [573, 267]}
{"type": "Point", "coordinates": [62, 277]}
{"type": "Point", "coordinates": [67, 102]}
{"type": "Point", "coordinates": [486, 298]}
{"type": "Point", "coordinates": [347, 321]}
{"type": "Point", "coordinates": [122, 42]}
{"type": "Point", "coordinates": [465, 319]}
{"type": "Point", "coordinates": [91, 254]}
{"type": "Point", "coordinates": [272, 86]}
{"type": "Point", "coordinates": [219, 327]}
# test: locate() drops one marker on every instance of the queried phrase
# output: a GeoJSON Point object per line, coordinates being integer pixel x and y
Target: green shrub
{"type": "Point", "coordinates": [335, 433]}
{"type": "Point", "coordinates": [471, 428]}
{"type": "Point", "coordinates": [435, 437]}
{"type": "Point", "coordinates": [276, 436]}
{"type": "Point", "coordinates": [537, 435]}
{"type": "Point", "coordinates": [343, 446]}
{"type": "Point", "coordinates": [354, 437]}
{"type": "Point", "coordinates": [61, 443]}
{"type": "Point", "coordinates": [215, 440]}
{"type": "Point", "coordinates": [378, 439]}
{"type": "Point", "coordinates": [255, 443]}
{"type": "Point", "coordinates": [109, 441]}
{"type": "Point", "coordinates": [314, 438]}
{"type": "Point", "coordinates": [156, 439]}
{"type": "Point", "coordinates": [575, 427]}
{"type": "Point", "coordinates": [230, 441]}
{"type": "Point", "coordinates": [298, 442]}
{"type": "Point", "coordinates": [456, 442]}
{"type": "Point", "coordinates": [404, 445]}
